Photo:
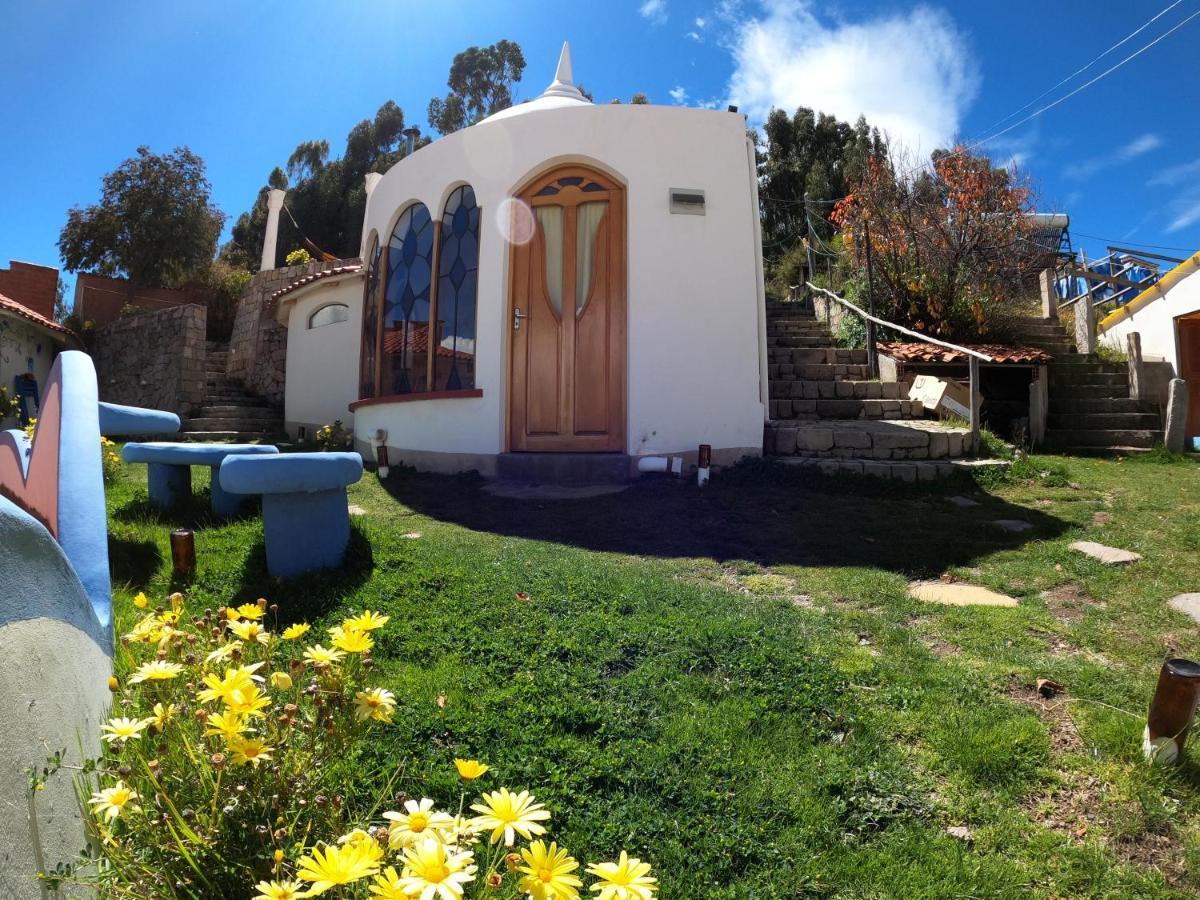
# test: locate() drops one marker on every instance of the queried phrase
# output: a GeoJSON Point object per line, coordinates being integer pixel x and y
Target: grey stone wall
{"type": "Point", "coordinates": [154, 360]}
{"type": "Point", "coordinates": [258, 345]}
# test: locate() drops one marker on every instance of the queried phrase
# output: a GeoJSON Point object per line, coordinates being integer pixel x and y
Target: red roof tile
{"type": "Point", "coordinates": [316, 276]}
{"type": "Point", "coordinates": [9, 305]}
{"type": "Point", "coordinates": [418, 339]}
{"type": "Point", "coordinates": [931, 353]}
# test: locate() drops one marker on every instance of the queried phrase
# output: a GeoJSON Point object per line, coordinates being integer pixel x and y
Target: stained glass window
{"type": "Point", "coordinates": [458, 279]}
{"type": "Point", "coordinates": [406, 303]}
{"type": "Point", "coordinates": [329, 314]}
{"type": "Point", "coordinates": [370, 333]}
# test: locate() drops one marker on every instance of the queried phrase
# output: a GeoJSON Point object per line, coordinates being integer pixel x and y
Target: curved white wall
{"type": "Point", "coordinates": [322, 363]}
{"type": "Point", "coordinates": [693, 354]}
{"type": "Point", "coordinates": [1156, 321]}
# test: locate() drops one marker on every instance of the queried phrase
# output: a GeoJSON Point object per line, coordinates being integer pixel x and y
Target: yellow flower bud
{"type": "Point", "coordinates": [281, 680]}
{"type": "Point", "coordinates": [140, 600]}
{"type": "Point", "coordinates": [278, 857]}
{"type": "Point", "coordinates": [113, 684]}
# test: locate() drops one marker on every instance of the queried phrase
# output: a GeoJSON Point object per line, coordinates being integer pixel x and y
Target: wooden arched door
{"type": "Point", "coordinates": [567, 314]}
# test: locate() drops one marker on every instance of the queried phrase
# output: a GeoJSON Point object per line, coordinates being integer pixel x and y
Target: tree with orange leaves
{"type": "Point", "coordinates": [951, 246]}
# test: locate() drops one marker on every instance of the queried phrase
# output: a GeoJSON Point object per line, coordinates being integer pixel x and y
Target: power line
{"type": "Point", "coordinates": [1096, 237]}
{"type": "Point", "coordinates": [1084, 67]}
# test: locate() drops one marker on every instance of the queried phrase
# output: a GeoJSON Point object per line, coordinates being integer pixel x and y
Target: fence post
{"type": "Point", "coordinates": [973, 369]}
{"type": "Point", "coordinates": [872, 358]}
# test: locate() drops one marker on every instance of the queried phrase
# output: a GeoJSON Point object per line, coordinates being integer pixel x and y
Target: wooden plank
{"type": "Point", "coordinates": [1146, 255]}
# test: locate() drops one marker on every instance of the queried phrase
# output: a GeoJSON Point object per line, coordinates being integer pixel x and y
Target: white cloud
{"type": "Point", "coordinates": [911, 74]}
{"type": "Point", "coordinates": [678, 95]}
{"type": "Point", "coordinates": [695, 36]}
{"type": "Point", "coordinates": [654, 11]}
{"type": "Point", "coordinates": [701, 22]}
{"type": "Point", "coordinates": [1175, 175]}
{"type": "Point", "coordinates": [1135, 148]}
{"type": "Point", "coordinates": [1184, 212]}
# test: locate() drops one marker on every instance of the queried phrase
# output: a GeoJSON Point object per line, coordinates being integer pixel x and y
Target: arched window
{"type": "Point", "coordinates": [404, 362]}
{"type": "Point", "coordinates": [370, 334]}
{"type": "Point", "coordinates": [329, 314]}
{"type": "Point", "coordinates": [458, 279]}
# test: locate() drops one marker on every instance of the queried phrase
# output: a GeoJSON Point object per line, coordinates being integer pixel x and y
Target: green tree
{"type": "Point", "coordinates": [480, 82]}
{"type": "Point", "coordinates": [62, 306]}
{"type": "Point", "coordinates": [639, 99]}
{"type": "Point", "coordinates": [154, 224]}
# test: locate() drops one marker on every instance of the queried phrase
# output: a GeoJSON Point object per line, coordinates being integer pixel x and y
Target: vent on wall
{"type": "Point", "coordinates": [685, 202]}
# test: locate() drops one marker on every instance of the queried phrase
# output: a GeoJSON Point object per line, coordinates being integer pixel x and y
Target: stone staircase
{"type": "Point", "coordinates": [1090, 407]}
{"type": "Point", "coordinates": [826, 412]}
{"type": "Point", "coordinates": [229, 412]}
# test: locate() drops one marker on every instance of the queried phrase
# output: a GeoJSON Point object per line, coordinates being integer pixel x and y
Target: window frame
{"type": "Point", "coordinates": [329, 305]}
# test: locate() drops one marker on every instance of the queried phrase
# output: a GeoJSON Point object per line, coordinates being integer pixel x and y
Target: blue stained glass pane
{"type": "Point", "coordinates": [572, 180]}
{"type": "Point", "coordinates": [458, 271]}
{"type": "Point", "coordinates": [406, 313]}
{"type": "Point", "coordinates": [591, 187]}
{"type": "Point", "coordinates": [548, 191]}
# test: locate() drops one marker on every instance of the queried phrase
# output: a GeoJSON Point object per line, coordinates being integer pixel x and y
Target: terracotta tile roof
{"type": "Point", "coordinates": [316, 276]}
{"type": "Point", "coordinates": [919, 352]}
{"type": "Point", "coordinates": [9, 305]}
{"type": "Point", "coordinates": [418, 338]}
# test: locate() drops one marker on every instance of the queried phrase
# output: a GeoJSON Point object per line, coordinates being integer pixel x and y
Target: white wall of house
{"type": "Point", "coordinates": [322, 362]}
{"type": "Point", "coordinates": [693, 310]}
{"type": "Point", "coordinates": [1155, 321]}
{"type": "Point", "coordinates": [25, 347]}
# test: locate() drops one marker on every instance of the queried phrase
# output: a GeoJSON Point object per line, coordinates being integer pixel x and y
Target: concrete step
{"type": "Point", "coordinates": [913, 470]}
{"type": "Point", "coordinates": [804, 356]}
{"type": "Point", "coordinates": [234, 423]}
{"type": "Point", "coordinates": [234, 409]}
{"type": "Point", "coordinates": [1102, 437]}
{"type": "Point", "coordinates": [1077, 376]}
{"type": "Point", "coordinates": [1092, 404]}
{"type": "Point", "coordinates": [787, 341]}
{"type": "Point", "coordinates": [233, 436]}
{"type": "Point", "coordinates": [563, 468]}
{"type": "Point", "coordinates": [1135, 421]}
{"type": "Point", "coordinates": [846, 409]}
{"type": "Point", "coordinates": [784, 372]}
{"type": "Point", "coordinates": [866, 439]}
{"type": "Point", "coordinates": [822, 389]}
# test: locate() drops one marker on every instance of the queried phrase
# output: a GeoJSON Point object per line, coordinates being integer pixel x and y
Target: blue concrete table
{"type": "Point", "coordinates": [169, 470]}
{"type": "Point", "coordinates": [306, 522]}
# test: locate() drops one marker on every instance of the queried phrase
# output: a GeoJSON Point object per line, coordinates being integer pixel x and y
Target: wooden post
{"type": "Point", "coordinates": [808, 246]}
{"type": "Point", "coordinates": [973, 369]}
{"type": "Point", "coordinates": [872, 358]}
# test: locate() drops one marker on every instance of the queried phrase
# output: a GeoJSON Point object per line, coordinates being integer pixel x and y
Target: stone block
{"type": "Point", "coordinates": [825, 389]}
{"type": "Point", "coordinates": [829, 466]}
{"type": "Point", "coordinates": [878, 469]}
{"type": "Point", "coordinates": [874, 390]}
{"type": "Point", "coordinates": [927, 472]}
{"type": "Point", "coordinates": [814, 439]}
{"type": "Point", "coordinates": [785, 441]}
{"type": "Point", "coordinates": [804, 406]}
{"type": "Point", "coordinates": [954, 444]}
{"type": "Point", "coordinates": [850, 438]}
{"type": "Point", "coordinates": [890, 390]}
{"type": "Point", "coordinates": [939, 445]}
{"type": "Point", "coordinates": [843, 389]}
{"type": "Point", "coordinates": [852, 467]}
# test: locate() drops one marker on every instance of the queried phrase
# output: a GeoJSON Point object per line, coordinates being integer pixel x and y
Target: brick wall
{"type": "Point", "coordinates": [99, 299]}
{"type": "Point", "coordinates": [155, 359]}
{"type": "Point", "coordinates": [258, 345]}
{"type": "Point", "coordinates": [30, 285]}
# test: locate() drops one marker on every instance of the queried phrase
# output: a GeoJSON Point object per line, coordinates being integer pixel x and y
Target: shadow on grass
{"type": "Point", "coordinates": [133, 562]}
{"type": "Point", "coordinates": [310, 595]}
{"type": "Point", "coordinates": [759, 511]}
{"type": "Point", "coordinates": [194, 512]}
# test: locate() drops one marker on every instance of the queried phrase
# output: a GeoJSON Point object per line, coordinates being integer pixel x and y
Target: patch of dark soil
{"type": "Point", "coordinates": [1054, 711]}
{"type": "Point", "coordinates": [1068, 603]}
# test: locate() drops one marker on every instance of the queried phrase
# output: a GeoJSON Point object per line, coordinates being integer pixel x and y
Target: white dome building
{"type": "Point", "coordinates": [563, 280]}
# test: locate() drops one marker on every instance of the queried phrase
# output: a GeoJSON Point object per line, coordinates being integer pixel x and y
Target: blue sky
{"type": "Point", "coordinates": [241, 83]}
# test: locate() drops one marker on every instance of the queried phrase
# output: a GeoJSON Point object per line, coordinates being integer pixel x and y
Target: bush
{"type": "Point", "coordinates": [231, 763]}
{"type": "Point", "coordinates": [333, 437]}
{"type": "Point", "coordinates": [299, 257]}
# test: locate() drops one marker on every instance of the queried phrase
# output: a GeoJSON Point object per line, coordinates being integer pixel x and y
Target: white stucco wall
{"type": "Point", "coordinates": [693, 309]}
{"type": "Point", "coordinates": [322, 363]}
{"type": "Point", "coordinates": [23, 345]}
{"type": "Point", "coordinates": [1155, 321]}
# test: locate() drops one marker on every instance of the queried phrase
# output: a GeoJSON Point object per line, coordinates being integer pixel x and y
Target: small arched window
{"type": "Point", "coordinates": [329, 314]}
{"type": "Point", "coordinates": [458, 280]}
{"type": "Point", "coordinates": [405, 357]}
{"type": "Point", "coordinates": [372, 294]}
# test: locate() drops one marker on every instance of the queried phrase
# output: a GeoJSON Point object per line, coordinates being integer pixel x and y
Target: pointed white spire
{"type": "Point", "coordinates": [563, 84]}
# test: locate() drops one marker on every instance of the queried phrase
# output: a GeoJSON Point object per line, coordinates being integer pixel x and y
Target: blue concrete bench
{"type": "Point", "coordinates": [169, 470]}
{"type": "Point", "coordinates": [306, 522]}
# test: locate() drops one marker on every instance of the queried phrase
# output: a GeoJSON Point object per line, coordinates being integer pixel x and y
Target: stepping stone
{"type": "Point", "coordinates": [958, 594]}
{"type": "Point", "coordinates": [356, 510]}
{"type": "Point", "coordinates": [1016, 526]}
{"type": "Point", "coordinates": [1110, 556]}
{"type": "Point", "coordinates": [1188, 604]}
{"type": "Point", "coordinates": [962, 502]}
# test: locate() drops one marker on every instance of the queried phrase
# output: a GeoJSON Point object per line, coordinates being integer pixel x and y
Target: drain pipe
{"type": "Point", "coordinates": [379, 442]}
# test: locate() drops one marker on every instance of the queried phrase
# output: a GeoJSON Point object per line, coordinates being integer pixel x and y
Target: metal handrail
{"type": "Point", "coordinates": [973, 356]}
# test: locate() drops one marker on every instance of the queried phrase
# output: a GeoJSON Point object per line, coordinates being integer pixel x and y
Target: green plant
{"type": "Point", "coordinates": [9, 405]}
{"type": "Point", "coordinates": [333, 437]}
{"type": "Point", "coordinates": [852, 331]}
{"type": "Point", "coordinates": [298, 257]}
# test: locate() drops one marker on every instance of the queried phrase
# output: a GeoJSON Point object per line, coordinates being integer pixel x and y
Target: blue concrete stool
{"type": "Point", "coordinates": [306, 522]}
{"type": "Point", "coordinates": [169, 470]}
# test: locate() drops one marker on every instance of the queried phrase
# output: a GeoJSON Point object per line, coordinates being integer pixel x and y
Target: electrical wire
{"type": "Point", "coordinates": [1142, 244]}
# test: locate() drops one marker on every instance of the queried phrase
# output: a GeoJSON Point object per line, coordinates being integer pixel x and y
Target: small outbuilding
{"type": "Point", "coordinates": [562, 282]}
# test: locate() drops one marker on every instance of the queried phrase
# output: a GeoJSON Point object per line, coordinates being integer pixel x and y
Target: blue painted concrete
{"type": "Point", "coordinates": [180, 454]}
{"type": "Point", "coordinates": [306, 524]}
{"type": "Point", "coordinates": [290, 473]}
{"type": "Point", "coordinates": [120, 420]}
{"type": "Point", "coordinates": [39, 580]}
{"type": "Point", "coordinates": [23, 445]}
{"type": "Point", "coordinates": [224, 504]}
{"type": "Point", "coordinates": [169, 476]}
{"type": "Point", "coordinates": [168, 485]}
{"type": "Point", "coordinates": [82, 518]}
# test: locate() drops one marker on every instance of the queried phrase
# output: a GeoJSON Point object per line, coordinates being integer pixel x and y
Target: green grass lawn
{"type": "Point", "coordinates": [733, 684]}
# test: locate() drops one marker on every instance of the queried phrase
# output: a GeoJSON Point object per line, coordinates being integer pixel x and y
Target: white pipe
{"type": "Point", "coordinates": [760, 290]}
{"type": "Point", "coordinates": [653, 464]}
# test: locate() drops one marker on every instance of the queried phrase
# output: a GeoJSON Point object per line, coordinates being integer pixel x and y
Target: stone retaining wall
{"type": "Point", "coordinates": [867, 440]}
{"type": "Point", "coordinates": [155, 359]}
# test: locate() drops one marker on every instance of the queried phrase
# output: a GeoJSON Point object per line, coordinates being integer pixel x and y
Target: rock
{"type": "Point", "coordinates": [356, 510]}
{"type": "Point", "coordinates": [962, 832]}
{"type": "Point", "coordinates": [958, 594]}
{"type": "Point", "coordinates": [1175, 435]}
{"type": "Point", "coordinates": [1110, 556]}
{"type": "Point", "coordinates": [1188, 604]}
{"type": "Point", "coordinates": [1048, 688]}
{"type": "Point", "coordinates": [962, 502]}
{"type": "Point", "coordinates": [1016, 526]}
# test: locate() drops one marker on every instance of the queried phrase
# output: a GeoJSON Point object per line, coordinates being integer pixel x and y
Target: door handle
{"type": "Point", "coordinates": [517, 317]}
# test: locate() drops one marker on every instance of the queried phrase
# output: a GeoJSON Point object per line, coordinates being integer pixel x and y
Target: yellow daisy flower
{"type": "Point", "coordinates": [235, 680]}
{"type": "Point", "coordinates": [351, 639]}
{"type": "Point", "coordinates": [366, 621]}
{"type": "Point", "coordinates": [247, 702]}
{"type": "Point", "coordinates": [223, 652]}
{"type": "Point", "coordinates": [548, 873]}
{"type": "Point", "coordinates": [460, 830]}
{"type": "Point", "coordinates": [251, 611]}
{"type": "Point", "coordinates": [434, 871]}
{"type": "Point", "coordinates": [227, 725]}
{"type": "Point", "coordinates": [122, 729]}
{"type": "Point", "coordinates": [469, 769]}
{"type": "Point", "coordinates": [377, 703]}
{"type": "Point", "coordinates": [156, 670]}
{"type": "Point", "coordinates": [249, 630]}
{"type": "Point", "coordinates": [626, 879]}
{"type": "Point", "coordinates": [321, 658]}
{"type": "Point", "coordinates": [162, 714]}
{"type": "Point", "coordinates": [336, 865]}
{"type": "Point", "coordinates": [279, 890]}
{"type": "Point", "coordinates": [507, 814]}
{"type": "Point", "coordinates": [387, 886]}
{"type": "Point", "coordinates": [140, 600]}
{"type": "Point", "coordinates": [114, 801]}
{"type": "Point", "coordinates": [281, 681]}
{"type": "Point", "coordinates": [418, 822]}
{"type": "Point", "coordinates": [292, 632]}
{"type": "Point", "coordinates": [248, 750]}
